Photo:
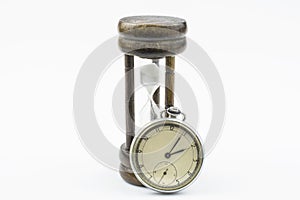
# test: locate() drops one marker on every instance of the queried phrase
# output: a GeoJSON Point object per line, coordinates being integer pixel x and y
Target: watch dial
{"type": "Point", "coordinates": [167, 155]}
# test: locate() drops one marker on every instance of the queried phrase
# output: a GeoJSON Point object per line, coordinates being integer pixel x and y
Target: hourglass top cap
{"type": "Point", "coordinates": [152, 27]}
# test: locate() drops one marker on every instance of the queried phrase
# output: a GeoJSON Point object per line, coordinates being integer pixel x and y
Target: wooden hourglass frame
{"type": "Point", "coordinates": [153, 38]}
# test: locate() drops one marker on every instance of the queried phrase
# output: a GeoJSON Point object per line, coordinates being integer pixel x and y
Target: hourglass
{"type": "Point", "coordinates": [158, 155]}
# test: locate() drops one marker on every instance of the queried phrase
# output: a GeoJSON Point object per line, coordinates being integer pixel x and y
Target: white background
{"type": "Point", "coordinates": [254, 44]}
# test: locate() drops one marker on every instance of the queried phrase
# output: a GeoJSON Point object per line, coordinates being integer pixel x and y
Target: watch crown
{"type": "Point", "coordinates": [173, 112]}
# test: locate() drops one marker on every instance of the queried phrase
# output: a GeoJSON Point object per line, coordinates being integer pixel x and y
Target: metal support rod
{"type": "Point", "coordinates": [129, 99]}
{"type": "Point", "coordinates": [169, 81]}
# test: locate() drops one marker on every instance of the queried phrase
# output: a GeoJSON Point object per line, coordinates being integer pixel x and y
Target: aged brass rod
{"type": "Point", "coordinates": [156, 95]}
{"type": "Point", "coordinates": [129, 99]}
{"type": "Point", "coordinates": [169, 81]}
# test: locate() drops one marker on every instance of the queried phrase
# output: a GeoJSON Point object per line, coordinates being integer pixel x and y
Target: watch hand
{"type": "Point", "coordinates": [179, 151]}
{"type": "Point", "coordinates": [175, 144]}
{"type": "Point", "coordinates": [168, 154]}
{"type": "Point", "coordinates": [165, 173]}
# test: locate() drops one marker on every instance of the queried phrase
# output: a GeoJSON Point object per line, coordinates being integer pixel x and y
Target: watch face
{"type": "Point", "coordinates": [167, 155]}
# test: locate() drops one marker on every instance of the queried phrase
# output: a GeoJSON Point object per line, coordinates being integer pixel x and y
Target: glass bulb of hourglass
{"type": "Point", "coordinates": [150, 79]}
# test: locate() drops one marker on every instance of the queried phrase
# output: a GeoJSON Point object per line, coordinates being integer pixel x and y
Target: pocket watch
{"type": "Point", "coordinates": [167, 154]}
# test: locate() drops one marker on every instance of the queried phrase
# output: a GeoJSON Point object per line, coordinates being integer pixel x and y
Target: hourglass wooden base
{"type": "Point", "coordinates": [125, 168]}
